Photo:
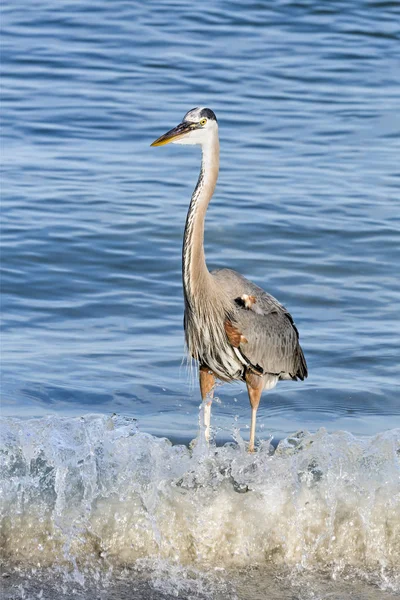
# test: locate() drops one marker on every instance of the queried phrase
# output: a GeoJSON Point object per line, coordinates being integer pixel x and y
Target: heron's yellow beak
{"type": "Point", "coordinates": [175, 134]}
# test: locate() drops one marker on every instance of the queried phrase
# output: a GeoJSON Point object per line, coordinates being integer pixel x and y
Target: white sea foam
{"type": "Point", "coordinates": [94, 492]}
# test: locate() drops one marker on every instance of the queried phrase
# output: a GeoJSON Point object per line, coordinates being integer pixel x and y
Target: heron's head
{"type": "Point", "coordinates": [199, 126]}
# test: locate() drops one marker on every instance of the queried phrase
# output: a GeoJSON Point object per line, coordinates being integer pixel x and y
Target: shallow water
{"type": "Point", "coordinates": [307, 206]}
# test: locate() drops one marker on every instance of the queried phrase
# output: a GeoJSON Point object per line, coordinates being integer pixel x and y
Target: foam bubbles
{"type": "Point", "coordinates": [94, 494]}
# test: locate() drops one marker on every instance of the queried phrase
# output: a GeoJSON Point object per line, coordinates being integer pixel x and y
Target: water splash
{"type": "Point", "coordinates": [92, 495]}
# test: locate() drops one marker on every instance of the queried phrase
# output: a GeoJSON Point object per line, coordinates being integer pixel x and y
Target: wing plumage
{"type": "Point", "coordinates": [270, 337]}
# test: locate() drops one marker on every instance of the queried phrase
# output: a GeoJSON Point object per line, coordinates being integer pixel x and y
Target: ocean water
{"type": "Point", "coordinates": [101, 494]}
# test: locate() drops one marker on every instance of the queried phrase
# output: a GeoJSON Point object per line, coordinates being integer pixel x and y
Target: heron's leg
{"type": "Point", "coordinates": [207, 383]}
{"type": "Point", "coordinates": [255, 386]}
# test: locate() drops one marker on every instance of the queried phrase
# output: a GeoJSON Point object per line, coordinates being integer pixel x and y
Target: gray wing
{"type": "Point", "coordinates": [270, 340]}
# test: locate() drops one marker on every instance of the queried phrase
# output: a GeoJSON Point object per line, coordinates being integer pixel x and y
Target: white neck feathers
{"type": "Point", "coordinates": [196, 277]}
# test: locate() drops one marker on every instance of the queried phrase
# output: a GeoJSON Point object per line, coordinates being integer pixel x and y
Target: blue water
{"type": "Point", "coordinates": [307, 203]}
{"type": "Point", "coordinates": [307, 97]}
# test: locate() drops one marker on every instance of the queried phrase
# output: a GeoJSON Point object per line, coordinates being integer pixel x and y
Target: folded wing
{"type": "Point", "coordinates": [265, 334]}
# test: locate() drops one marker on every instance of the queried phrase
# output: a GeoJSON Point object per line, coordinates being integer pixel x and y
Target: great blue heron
{"type": "Point", "coordinates": [234, 329]}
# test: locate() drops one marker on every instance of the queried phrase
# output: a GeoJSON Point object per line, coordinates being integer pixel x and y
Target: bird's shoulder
{"type": "Point", "coordinates": [246, 294]}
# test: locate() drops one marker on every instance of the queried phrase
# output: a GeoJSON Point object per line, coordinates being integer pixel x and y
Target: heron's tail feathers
{"type": "Point", "coordinates": [302, 371]}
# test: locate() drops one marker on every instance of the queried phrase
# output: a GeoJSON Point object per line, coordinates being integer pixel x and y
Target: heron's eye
{"type": "Point", "coordinates": [203, 122]}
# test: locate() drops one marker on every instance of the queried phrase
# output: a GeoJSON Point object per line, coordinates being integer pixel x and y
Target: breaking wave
{"type": "Point", "coordinates": [93, 494]}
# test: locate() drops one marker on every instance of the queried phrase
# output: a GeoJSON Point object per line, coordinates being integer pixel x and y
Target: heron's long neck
{"type": "Point", "coordinates": [196, 277]}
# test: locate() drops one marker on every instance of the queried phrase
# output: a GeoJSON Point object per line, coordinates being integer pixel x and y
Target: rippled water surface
{"type": "Point", "coordinates": [307, 206]}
